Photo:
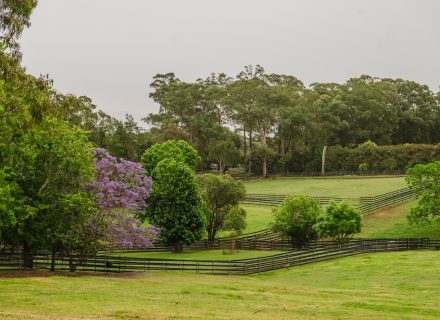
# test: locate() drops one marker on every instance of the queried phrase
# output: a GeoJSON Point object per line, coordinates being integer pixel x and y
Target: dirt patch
{"type": "Point", "coordinates": [39, 274]}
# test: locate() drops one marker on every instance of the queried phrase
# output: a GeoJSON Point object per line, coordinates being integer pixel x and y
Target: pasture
{"type": "Point", "coordinates": [397, 285]}
{"type": "Point", "coordinates": [344, 187]}
{"type": "Point", "coordinates": [386, 223]}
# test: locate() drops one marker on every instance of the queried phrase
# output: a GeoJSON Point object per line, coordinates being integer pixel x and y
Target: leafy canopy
{"type": "Point", "coordinates": [339, 221]}
{"type": "Point", "coordinates": [178, 150]}
{"type": "Point", "coordinates": [424, 180]}
{"type": "Point", "coordinates": [295, 219]}
{"type": "Point", "coordinates": [222, 195]}
{"type": "Point", "coordinates": [175, 205]}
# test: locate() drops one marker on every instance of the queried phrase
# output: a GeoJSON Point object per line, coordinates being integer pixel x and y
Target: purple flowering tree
{"type": "Point", "coordinates": [121, 190]}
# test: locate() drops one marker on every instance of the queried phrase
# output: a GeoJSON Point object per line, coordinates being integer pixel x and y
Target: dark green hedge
{"type": "Point", "coordinates": [391, 157]}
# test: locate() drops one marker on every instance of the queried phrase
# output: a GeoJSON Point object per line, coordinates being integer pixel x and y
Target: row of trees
{"type": "Point", "coordinates": [266, 122]}
{"type": "Point", "coordinates": [275, 121]}
{"type": "Point", "coordinates": [183, 206]}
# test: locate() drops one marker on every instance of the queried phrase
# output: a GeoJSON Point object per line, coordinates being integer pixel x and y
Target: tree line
{"type": "Point", "coordinates": [274, 122]}
{"type": "Point", "coordinates": [267, 123]}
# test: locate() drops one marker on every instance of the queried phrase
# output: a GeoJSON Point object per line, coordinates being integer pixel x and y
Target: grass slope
{"type": "Point", "coordinates": [258, 217]}
{"type": "Point", "coordinates": [398, 285]}
{"type": "Point", "coordinates": [345, 187]}
{"type": "Point", "coordinates": [388, 223]}
{"type": "Point", "coordinates": [393, 223]}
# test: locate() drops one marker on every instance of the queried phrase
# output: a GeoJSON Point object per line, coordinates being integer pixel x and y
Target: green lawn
{"type": "Point", "coordinates": [225, 254]}
{"type": "Point", "coordinates": [398, 285]}
{"type": "Point", "coordinates": [258, 217]}
{"type": "Point", "coordinates": [387, 223]}
{"type": "Point", "coordinates": [345, 187]}
{"type": "Point", "coordinates": [393, 223]}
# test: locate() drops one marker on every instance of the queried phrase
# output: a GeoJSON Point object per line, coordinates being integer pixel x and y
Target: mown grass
{"type": "Point", "coordinates": [398, 285]}
{"type": "Point", "coordinates": [345, 187]}
{"type": "Point", "coordinates": [258, 217]}
{"type": "Point", "coordinates": [223, 254]}
{"type": "Point", "coordinates": [393, 223]}
{"type": "Point", "coordinates": [387, 223]}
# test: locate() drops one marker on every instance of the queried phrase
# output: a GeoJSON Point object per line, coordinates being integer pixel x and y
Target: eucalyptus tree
{"type": "Point", "coordinates": [14, 17]}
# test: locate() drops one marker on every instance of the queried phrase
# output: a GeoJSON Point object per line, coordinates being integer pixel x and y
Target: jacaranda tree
{"type": "Point", "coordinates": [121, 192]}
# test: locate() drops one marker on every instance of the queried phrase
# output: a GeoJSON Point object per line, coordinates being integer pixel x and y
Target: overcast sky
{"type": "Point", "coordinates": [110, 50]}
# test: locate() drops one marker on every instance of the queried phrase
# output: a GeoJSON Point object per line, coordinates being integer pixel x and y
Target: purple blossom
{"type": "Point", "coordinates": [121, 190]}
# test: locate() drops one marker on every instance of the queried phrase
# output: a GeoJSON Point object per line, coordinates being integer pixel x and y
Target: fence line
{"type": "Point", "coordinates": [365, 204]}
{"type": "Point", "coordinates": [318, 252]}
{"type": "Point", "coordinates": [247, 176]}
{"type": "Point", "coordinates": [277, 199]}
{"type": "Point", "coordinates": [370, 204]}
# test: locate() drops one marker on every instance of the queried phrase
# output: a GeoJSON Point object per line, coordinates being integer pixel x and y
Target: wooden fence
{"type": "Point", "coordinates": [317, 251]}
{"type": "Point", "coordinates": [248, 176]}
{"type": "Point", "coordinates": [277, 199]}
{"type": "Point", "coordinates": [370, 204]}
{"type": "Point", "coordinates": [365, 204]}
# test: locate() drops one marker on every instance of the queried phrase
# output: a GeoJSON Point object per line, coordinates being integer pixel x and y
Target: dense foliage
{"type": "Point", "coordinates": [175, 204]}
{"type": "Point", "coordinates": [425, 181]}
{"type": "Point", "coordinates": [280, 125]}
{"type": "Point", "coordinates": [339, 221]}
{"type": "Point", "coordinates": [222, 195]}
{"type": "Point", "coordinates": [53, 195]}
{"type": "Point", "coordinates": [178, 150]}
{"type": "Point", "coordinates": [373, 157]}
{"type": "Point", "coordinates": [295, 219]}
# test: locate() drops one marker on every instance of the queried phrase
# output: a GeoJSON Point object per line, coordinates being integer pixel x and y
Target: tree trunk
{"type": "Point", "coordinates": [52, 262]}
{"type": "Point", "coordinates": [72, 264]}
{"type": "Point", "coordinates": [250, 151]}
{"type": "Point", "coordinates": [264, 145]}
{"type": "Point", "coordinates": [244, 141]}
{"type": "Point", "coordinates": [178, 247]}
{"type": "Point", "coordinates": [324, 152]}
{"type": "Point", "coordinates": [265, 166]}
{"type": "Point", "coordinates": [28, 259]}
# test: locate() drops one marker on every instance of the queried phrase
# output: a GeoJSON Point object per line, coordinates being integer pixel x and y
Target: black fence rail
{"type": "Point", "coordinates": [247, 176]}
{"type": "Point", "coordinates": [316, 251]}
{"type": "Point", "coordinates": [370, 204]}
{"type": "Point", "coordinates": [277, 199]}
{"type": "Point", "coordinates": [365, 204]}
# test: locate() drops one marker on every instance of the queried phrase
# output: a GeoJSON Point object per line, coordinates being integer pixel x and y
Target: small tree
{"type": "Point", "coordinates": [295, 219]}
{"type": "Point", "coordinates": [175, 205]}
{"type": "Point", "coordinates": [424, 180]}
{"type": "Point", "coordinates": [222, 194]}
{"type": "Point", "coordinates": [178, 150]}
{"type": "Point", "coordinates": [235, 221]}
{"type": "Point", "coordinates": [339, 221]}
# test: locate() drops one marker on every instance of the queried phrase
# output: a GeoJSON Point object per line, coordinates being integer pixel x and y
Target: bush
{"type": "Point", "coordinates": [424, 181]}
{"type": "Point", "coordinates": [295, 219]}
{"type": "Point", "coordinates": [339, 221]}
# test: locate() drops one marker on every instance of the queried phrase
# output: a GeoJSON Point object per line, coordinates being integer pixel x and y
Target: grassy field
{"type": "Point", "coordinates": [387, 223]}
{"type": "Point", "coordinates": [393, 223]}
{"type": "Point", "coordinates": [202, 255]}
{"type": "Point", "coordinates": [398, 285]}
{"type": "Point", "coordinates": [345, 187]}
{"type": "Point", "coordinates": [258, 217]}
